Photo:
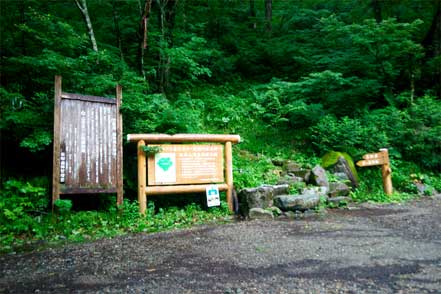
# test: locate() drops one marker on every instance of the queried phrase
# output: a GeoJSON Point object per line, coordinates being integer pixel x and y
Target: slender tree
{"type": "Point", "coordinates": [85, 12]}
{"type": "Point", "coordinates": [143, 34]}
{"type": "Point", "coordinates": [253, 24]}
{"type": "Point", "coordinates": [268, 14]}
{"type": "Point", "coordinates": [117, 29]}
{"type": "Point", "coordinates": [376, 6]}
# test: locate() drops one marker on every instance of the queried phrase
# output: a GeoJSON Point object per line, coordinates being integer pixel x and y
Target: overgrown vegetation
{"type": "Point", "coordinates": [316, 76]}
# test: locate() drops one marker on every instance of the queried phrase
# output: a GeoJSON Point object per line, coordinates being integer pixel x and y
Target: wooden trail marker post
{"type": "Point", "coordinates": [184, 168]}
{"type": "Point", "coordinates": [87, 156]}
{"type": "Point", "coordinates": [380, 158]}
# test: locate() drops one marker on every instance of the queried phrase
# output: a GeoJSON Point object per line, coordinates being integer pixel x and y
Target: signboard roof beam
{"type": "Point", "coordinates": [178, 138]}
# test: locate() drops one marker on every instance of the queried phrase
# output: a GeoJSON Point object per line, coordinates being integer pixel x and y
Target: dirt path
{"type": "Point", "coordinates": [368, 249]}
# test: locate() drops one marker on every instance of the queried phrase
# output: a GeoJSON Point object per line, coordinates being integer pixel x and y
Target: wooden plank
{"type": "Point", "coordinates": [187, 164]}
{"type": "Point", "coordinates": [160, 190]}
{"type": "Point", "coordinates": [229, 173]}
{"type": "Point", "coordinates": [371, 162]}
{"type": "Point", "coordinates": [179, 138]}
{"type": "Point", "coordinates": [119, 132]}
{"type": "Point", "coordinates": [142, 181]}
{"type": "Point", "coordinates": [88, 98]}
{"type": "Point", "coordinates": [386, 173]}
{"type": "Point", "coordinates": [56, 142]}
{"type": "Point", "coordinates": [378, 155]}
{"type": "Point", "coordinates": [87, 190]}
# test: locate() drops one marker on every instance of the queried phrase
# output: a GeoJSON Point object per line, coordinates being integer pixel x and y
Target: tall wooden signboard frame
{"type": "Point", "coordinates": [184, 168]}
{"type": "Point", "coordinates": [87, 156]}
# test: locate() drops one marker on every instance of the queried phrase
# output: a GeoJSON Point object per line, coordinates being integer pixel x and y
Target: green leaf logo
{"type": "Point", "coordinates": [165, 163]}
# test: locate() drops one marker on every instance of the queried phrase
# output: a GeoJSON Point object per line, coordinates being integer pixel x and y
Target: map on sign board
{"type": "Point", "coordinates": [213, 198]}
{"type": "Point", "coordinates": [165, 167]}
{"type": "Point", "coordinates": [186, 164]}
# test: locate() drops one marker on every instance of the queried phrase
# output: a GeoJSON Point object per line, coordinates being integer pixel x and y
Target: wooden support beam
{"type": "Point", "coordinates": [161, 190]}
{"type": "Point", "coordinates": [179, 138]}
{"type": "Point", "coordinates": [56, 142]}
{"type": "Point", "coordinates": [119, 149]}
{"type": "Point", "coordinates": [229, 174]}
{"type": "Point", "coordinates": [142, 181]}
{"type": "Point", "coordinates": [386, 172]}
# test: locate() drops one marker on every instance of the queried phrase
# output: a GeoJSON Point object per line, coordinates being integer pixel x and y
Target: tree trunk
{"type": "Point", "coordinates": [143, 34]}
{"type": "Point", "coordinates": [117, 30]}
{"type": "Point", "coordinates": [432, 43]}
{"type": "Point", "coordinates": [253, 24]}
{"type": "Point", "coordinates": [83, 8]}
{"type": "Point", "coordinates": [167, 9]}
{"type": "Point", "coordinates": [376, 6]}
{"type": "Point", "coordinates": [269, 14]}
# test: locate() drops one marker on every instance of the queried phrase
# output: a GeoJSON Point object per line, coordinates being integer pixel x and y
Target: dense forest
{"type": "Point", "coordinates": [295, 79]}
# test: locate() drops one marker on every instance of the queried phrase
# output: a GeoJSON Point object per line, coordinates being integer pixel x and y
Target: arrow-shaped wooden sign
{"type": "Point", "coordinates": [379, 158]}
{"type": "Point", "coordinates": [371, 162]}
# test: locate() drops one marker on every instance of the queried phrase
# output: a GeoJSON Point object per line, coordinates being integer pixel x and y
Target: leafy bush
{"type": "Point", "coordinates": [348, 135]}
{"type": "Point", "coordinates": [21, 203]}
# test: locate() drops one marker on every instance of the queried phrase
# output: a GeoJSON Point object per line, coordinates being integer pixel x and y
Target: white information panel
{"type": "Point", "coordinates": [213, 198]}
{"type": "Point", "coordinates": [165, 171]}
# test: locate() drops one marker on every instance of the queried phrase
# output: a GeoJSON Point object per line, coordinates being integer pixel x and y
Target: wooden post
{"type": "Point", "coordinates": [56, 142]}
{"type": "Point", "coordinates": [119, 158]}
{"type": "Point", "coordinates": [386, 173]}
{"type": "Point", "coordinates": [229, 173]}
{"type": "Point", "coordinates": [142, 181]}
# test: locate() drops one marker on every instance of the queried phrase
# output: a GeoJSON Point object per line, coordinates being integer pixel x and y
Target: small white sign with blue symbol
{"type": "Point", "coordinates": [213, 198]}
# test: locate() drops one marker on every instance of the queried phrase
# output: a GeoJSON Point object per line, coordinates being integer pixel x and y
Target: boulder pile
{"type": "Point", "coordinates": [299, 191]}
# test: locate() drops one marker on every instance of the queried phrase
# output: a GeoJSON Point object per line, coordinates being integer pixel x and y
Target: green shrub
{"type": "Point", "coordinates": [348, 135]}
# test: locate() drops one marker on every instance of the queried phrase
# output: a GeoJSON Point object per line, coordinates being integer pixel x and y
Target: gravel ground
{"type": "Point", "coordinates": [364, 249]}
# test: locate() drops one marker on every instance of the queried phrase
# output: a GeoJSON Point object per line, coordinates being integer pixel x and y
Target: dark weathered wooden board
{"type": "Point", "coordinates": [87, 144]}
{"type": "Point", "coordinates": [88, 152]}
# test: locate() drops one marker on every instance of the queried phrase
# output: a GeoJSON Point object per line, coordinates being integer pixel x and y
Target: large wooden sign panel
{"type": "Point", "coordinates": [87, 144]}
{"type": "Point", "coordinates": [186, 164]}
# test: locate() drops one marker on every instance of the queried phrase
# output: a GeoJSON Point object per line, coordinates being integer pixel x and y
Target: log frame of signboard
{"type": "Point", "coordinates": [144, 190]}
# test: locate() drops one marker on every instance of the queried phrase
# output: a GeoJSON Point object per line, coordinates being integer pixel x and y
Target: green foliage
{"type": "Point", "coordinates": [63, 205]}
{"type": "Point", "coordinates": [348, 135]}
{"type": "Point", "coordinates": [151, 150]}
{"type": "Point", "coordinates": [21, 206]}
{"type": "Point", "coordinates": [251, 170]}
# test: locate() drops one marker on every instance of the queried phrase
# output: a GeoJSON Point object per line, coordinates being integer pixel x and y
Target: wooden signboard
{"type": "Point", "coordinates": [186, 164]}
{"type": "Point", "coordinates": [184, 168]}
{"type": "Point", "coordinates": [372, 159]}
{"type": "Point", "coordinates": [380, 158]}
{"type": "Point", "coordinates": [87, 155]}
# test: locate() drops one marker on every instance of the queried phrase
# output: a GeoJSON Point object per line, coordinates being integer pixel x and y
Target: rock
{"type": "Point", "coordinates": [320, 191]}
{"type": "Point", "coordinates": [260, 197]}
{"type": "Point", "coordinates": [260, 213]}
{"type": "Point", "coordinates": [293, 214]}
{"type": "Point", "coordinates": [290, 179]}
{"type": "Point", "coordinates": [318, 176]}
{"type": "Point", "coordinates": [343, 177]}
{"type": "Point", "coordinates": [339, 201]}
{"type": "Point", "coordinates": [296, 202]}
{"type": "Point", "coordinates": [343, 167]}
{"type": "Point", "coordinates": [309, 213]}
{"type": "Point", "coordinates": [274, 210]}
{"type": "Point", "coordinates": [338, 189]}
{"type": "Point", "coordinates": [291, 166]}
{"type": "Point", "coordinates": [305, 174]}
{"type": "Point", "coordinates": [279, 189]}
